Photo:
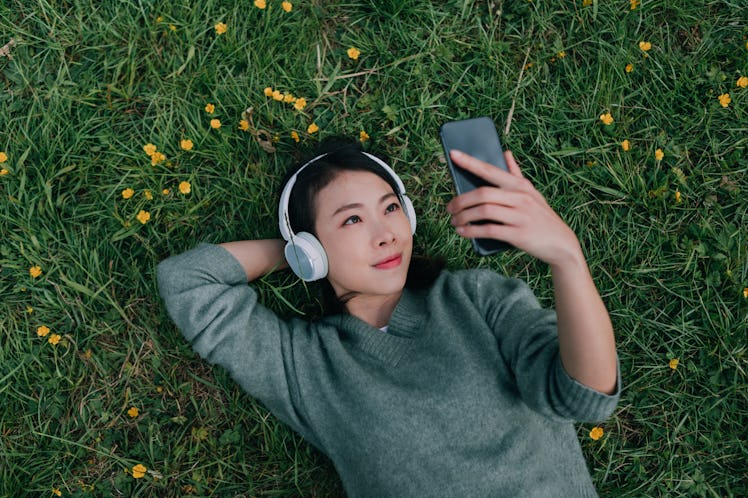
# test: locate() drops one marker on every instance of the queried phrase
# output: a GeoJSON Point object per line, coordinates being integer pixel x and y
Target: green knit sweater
{"type": "Point", "coordinates": [464, 395]}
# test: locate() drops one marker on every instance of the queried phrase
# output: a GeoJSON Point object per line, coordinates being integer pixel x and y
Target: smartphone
{"type": "Point", "coordinates": [478, 138]}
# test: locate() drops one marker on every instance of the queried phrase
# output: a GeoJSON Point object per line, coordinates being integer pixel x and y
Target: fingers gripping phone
{"type": "Point", "coordinates": [478, 138]}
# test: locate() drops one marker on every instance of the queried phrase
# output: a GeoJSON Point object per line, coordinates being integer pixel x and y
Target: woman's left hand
{"type": "Point", "coordinates": [517, 212]}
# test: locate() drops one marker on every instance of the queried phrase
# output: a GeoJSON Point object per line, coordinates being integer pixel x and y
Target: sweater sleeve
{"type": "Point", "coordinates": [528, 340]}
{"type": "Point", "coordinates": [206, 295]}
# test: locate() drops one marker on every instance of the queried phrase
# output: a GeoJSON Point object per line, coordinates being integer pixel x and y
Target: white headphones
{"type": "Point", "coordinates": [304, 253]}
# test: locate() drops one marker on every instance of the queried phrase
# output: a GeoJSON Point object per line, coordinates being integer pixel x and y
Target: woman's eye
{"type": "Point", "coordinates": [351, 220]}
{"type": "Point", "coordinates": [393, 207]}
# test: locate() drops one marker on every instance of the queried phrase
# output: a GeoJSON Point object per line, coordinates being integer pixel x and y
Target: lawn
{"type": "Point", "coordinates": [133, 129]}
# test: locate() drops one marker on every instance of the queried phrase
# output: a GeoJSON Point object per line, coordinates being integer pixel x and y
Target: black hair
{"type": "Point", "coordinates": [343, 154]}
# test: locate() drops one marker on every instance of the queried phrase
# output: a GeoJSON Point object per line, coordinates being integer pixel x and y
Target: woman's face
{"type": "Point", "coordinates": [365, 233]}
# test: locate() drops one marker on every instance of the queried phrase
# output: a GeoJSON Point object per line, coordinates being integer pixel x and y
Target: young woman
{"type": "Point", "coordinates": [454, 384]}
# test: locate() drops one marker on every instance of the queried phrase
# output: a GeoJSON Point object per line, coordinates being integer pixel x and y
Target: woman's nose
{"type": "Point", "coordinates": [383, 234]}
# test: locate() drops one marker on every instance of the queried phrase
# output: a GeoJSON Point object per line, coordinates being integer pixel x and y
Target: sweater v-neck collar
{"type": "Point", "coordinates": [404, 327]}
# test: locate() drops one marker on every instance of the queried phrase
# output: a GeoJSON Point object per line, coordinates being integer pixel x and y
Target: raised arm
{"type": "Point", "coordinates": [257, 257]}
{"type": "Point", "coordinates": [206, 294]}
{"type": "Point", "coordinates": [525, 220]}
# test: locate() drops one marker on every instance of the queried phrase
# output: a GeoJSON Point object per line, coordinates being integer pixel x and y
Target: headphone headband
{"type": "Point", "coordinates": [284, 223]}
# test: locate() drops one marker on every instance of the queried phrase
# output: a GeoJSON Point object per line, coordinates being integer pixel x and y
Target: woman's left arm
{"type": "Point", "coordinates": [524, 219]}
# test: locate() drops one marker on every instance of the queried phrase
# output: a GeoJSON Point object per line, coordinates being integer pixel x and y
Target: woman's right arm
{"type": "Point", "coordinates": [206, 294]}
{"type": "Point", "coordinates": [258, 257]}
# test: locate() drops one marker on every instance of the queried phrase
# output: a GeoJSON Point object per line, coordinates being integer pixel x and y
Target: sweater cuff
{"type": "Point", "coordinates": [205, 262]}
{"type": "Point", "coordinates": [219, 262]}
{"type": "Point", "coordinates": [583, 403]}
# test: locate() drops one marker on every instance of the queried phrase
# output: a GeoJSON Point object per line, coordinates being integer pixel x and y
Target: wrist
{"type": "Point", "coordinates": [568, 259]}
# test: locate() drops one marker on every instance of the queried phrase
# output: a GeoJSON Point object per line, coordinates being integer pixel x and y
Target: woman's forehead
{"type": "Point", "coordinates": [351, 187]}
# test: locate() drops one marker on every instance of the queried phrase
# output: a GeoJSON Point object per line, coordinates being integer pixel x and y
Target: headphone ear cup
{"type": "Point", "coordinates": [306, 257]}
{"type": "Point", "coordinates": [410, 212]}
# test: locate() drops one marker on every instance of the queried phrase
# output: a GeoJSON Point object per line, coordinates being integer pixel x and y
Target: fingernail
{"type": "Point", "coordinates": [457, 153]}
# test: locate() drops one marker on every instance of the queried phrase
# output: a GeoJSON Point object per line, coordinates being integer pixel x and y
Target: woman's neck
{"type": "Point", "coordinates": [374, 310]}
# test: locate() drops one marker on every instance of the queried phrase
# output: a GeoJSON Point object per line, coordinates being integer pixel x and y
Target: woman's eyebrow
{"type": "Point", "coordinates": [357, 205]}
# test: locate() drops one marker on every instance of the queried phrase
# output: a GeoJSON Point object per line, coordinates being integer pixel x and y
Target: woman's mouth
{"type": "Point", "coordinates": [390, 262]}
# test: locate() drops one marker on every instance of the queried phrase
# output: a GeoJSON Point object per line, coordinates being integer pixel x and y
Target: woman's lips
{"type": "Point", "coordinates": [391, 262]}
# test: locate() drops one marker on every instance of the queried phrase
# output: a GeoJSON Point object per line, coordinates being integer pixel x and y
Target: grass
{"type": "Point", "coordinates": [90, 83]}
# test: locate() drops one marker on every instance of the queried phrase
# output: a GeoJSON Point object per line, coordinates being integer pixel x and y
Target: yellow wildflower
{"type": "Point", "coordinates": [260, 4]}
{"type": "Point", "coordinates": [54, 339]}
{"type": "Point", "coordinates": [127, 193]}
{"type": "Point", "coordinates": [287, 6]}
{"type": "Point", "coordinates": [3, 157]}
{"type": "Point", "coordinates": [139, 471]}
{"type": "Point", "coordinates": [133, 411]}
{"type": "Point", "coordinates": [268, 91]}
{"type": "Point", "coordinates": [149, 149]}
{"type": "Point", "coordinates": [363, 136]}
{"type": "Point", "coordinates": [288, 98]}
{"type": "Point", "coordinates": [353, 53]}
{"type": "Point", "coordinates": [606, 118]}
{"type": "Point", "coordinates": [626, 145]}
{"type": "Point", "coordinates": [243, 125]}
{"type": "Point", "coordinates": [629, 67]}
{"type": "Point", "coordinates": [561, 54]}
{"type": "Point", "coordinates": [742, 83]}
{"type": "Point", "coordinates": [160, 19]}
{"type": "Point", "coordinates": [56, 492]}
{"type": "Point", "coordinates": [157, 157]}
{"type": "Point", "coordinates": [166, 191]}
{"type": "Point", "coordinates": [4, 172]}
{"type": "Point", "coordinates": [645, 46]}
{"type": "Point", "coordinates": [745, 292]}
{"type": "Point", "coordinates": [148, 195]}
{"type": "Point", "coordinates": [42, 331]}
{"type": "Point", "coordinates": [659, 155]}
{"type": "Point", "coordinates": [186, 144]}
{"type": "Point", "coordinates": [210, 108]}
{"type": "Point", "coordinates": [678, 197]}
{"type": "Point", "coordinates": [29, 309]}
{"type": "Point", "coordinates": [674, 363]}
{"type": "Point", "coordinates": [633, 4]}
{"type": "Point", "coordinates": [277, 95]}
{"type": "Point", "coordinates": [724, 99]}
{"type": "Point", "coordinates": [295, 136]}
{"type": "Point", "coordinates": [35, 271]}
{"type": "Point", "coordinates": [586, 3]}
{"type": "Point", "coordinates": [143, 216]}
{"type": "Point", "coordinates": [220, 28]}
{"type": "Point", "coordinates": [596, 433]}
{"type": "Point", "coordinates": [185, 187]}
{"type": "Point", "coordinates": [312, 128]}
{"type": "Point", "coordinates": [172, 27]}
{"type": "Point", "coordinates": [300, 104]}
{"type": "Point", "coordinates": [215, 123]}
